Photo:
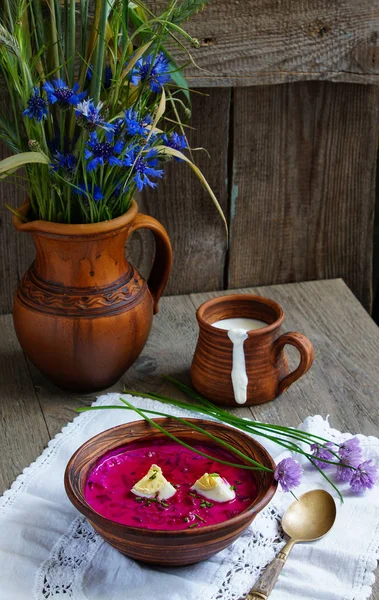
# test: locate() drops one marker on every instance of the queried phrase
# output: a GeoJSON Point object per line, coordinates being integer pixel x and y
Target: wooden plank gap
{"type": "Point", "coordinates": [28, 366]}
{"type": "Point", "coordinates": [230, 183]}
{"type": "Point", "coordinates": [257, 42]}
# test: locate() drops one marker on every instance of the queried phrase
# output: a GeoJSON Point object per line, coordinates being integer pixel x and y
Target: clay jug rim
{"type": "Point", "coordinates": [203, 323]}
{"type": "Point", "coordinates": [73, 229]}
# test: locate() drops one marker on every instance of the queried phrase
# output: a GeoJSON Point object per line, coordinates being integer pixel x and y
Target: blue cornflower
{"type": "Point", "coordinates": [133, 124]}
{"type": "Point", "coordinates": [144, 167]}
{"type": "Point", "coordinates": [66, 161]}
{"type": "Point", "coordinates": [108, 77]}
{"type": "Point", "coordinates": [103, 152]}
{"type": "Point", "coordinates": [37, 107]}
{"type": "Point", "coordinates": [131, 155]}
{"type": "Point", "coordinates": [88, 116]}
{"type": "Point", "coordinates": [152, 139]}
{"type": "Point", "coordinates": [89, 73]}
{"type": "Point", "coordinates": [118, 126]}
{"type": "Point", "coordinates": [155, 73]}
{"type": "Point", "coordinates": [96, 192]}
{"type": "Point", "coordinates": [175, 141]}
{"type": "Point", "coordinates": [61, 143]}
{"type": "Point", "coordinates": [58, 91]}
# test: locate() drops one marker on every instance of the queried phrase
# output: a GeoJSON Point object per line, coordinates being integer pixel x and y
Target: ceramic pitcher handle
{"type": "Point", "coordinates": [161, 269]}
{"type": "Point", "coordinates": [307, 355]}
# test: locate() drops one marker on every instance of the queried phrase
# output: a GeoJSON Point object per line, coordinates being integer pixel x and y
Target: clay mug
{"type": "Point", "coordinates": [255, 361]}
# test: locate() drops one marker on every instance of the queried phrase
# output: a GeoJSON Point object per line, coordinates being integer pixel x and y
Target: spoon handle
{"type": "Point", "coordinates": [265, 584]}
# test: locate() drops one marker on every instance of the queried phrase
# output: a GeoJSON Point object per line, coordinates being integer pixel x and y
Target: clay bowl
{"type": "Point", "coordinates": [169, 548]}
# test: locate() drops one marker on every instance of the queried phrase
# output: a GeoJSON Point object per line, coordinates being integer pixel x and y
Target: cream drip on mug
{"type": "Point", "coordinates": [237, 329]}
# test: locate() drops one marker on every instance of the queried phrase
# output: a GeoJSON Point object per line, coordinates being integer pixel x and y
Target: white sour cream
{"type": "Point", "coordinates": [214, 487]}
{"type": "Point", "coordinates": [237, 329]}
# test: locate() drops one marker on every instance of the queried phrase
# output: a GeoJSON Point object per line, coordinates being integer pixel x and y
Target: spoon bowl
{"type": "Point", "coordinates": [307, 519]}
{"type": "Point", "coordinates": [310, 517]}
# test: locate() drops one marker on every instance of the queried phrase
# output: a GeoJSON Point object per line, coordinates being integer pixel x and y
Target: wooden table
{"type": "Point", "coordinates": [343, 382]}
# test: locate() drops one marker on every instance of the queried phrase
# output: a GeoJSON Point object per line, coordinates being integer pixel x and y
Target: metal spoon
{"type": "Point", "coordinates": [307, 519]}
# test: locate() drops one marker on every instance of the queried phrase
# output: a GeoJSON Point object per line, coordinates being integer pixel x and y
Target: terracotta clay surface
{"type": "Point", "coordinates": [161, 547]}
{"type": "Point", "coordinates": [266, 362]}
{"type": "Point", "coordinates": [82, 313]}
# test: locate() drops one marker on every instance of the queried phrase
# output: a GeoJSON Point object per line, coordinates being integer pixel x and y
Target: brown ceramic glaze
{"type": "Point", "coordinates": [82, 313]}
{"type": "Point", "coordinates": [171, 548]}
{"type": "Point", "coordinates": [266, 362]}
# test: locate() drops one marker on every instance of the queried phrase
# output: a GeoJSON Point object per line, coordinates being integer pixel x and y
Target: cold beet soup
{"type": "Point", "coordinates": [109, 486]}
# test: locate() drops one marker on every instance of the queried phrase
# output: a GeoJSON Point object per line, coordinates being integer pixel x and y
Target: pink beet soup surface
{"type": "Point", "coordinates": [109, 483]}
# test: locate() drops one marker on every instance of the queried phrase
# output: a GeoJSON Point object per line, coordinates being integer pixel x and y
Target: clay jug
{"type": "Point", "coordinates": [82, 312]}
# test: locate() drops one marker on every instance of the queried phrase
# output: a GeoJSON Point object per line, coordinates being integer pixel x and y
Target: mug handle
{"type": "Point", "coordinates": [307, 355]}
{"type": "Point", "coordinates": [161, 268]}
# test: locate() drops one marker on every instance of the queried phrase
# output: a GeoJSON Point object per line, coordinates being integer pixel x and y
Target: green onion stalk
{"type": "Point", "coordinates": [319, 451]}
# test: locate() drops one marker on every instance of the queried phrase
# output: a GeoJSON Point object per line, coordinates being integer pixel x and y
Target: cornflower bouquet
{"type": "Point", "coordinates": [322, 454]}
{"type": "Point", "coordinates": [86, 115]}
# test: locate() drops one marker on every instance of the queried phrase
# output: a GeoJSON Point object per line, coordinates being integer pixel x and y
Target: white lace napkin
{"type": "Point", "coordinates": [48, 551]}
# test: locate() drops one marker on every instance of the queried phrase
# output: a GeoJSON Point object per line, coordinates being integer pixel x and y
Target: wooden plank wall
{"type": "Point", "coordinates": [293, 165]}
{"type": "Point", "coordinates": [260, 42]}
{"type": "Point", "coordinates": [303, 187]}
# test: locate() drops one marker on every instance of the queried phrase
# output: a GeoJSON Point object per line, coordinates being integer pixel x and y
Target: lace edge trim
{"type": "Point", "coordinates": [365, 572]}
{"type": "Point", "coordinates": [61, 574]}
{"type": "Point", "coordinates": [78, 566]}
{"type": "Point", "coordinates": [363, 580]}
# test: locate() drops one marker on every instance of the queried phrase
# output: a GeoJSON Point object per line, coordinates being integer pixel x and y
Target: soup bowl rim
{"type": "Point", "coordinates": [78, 500]}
